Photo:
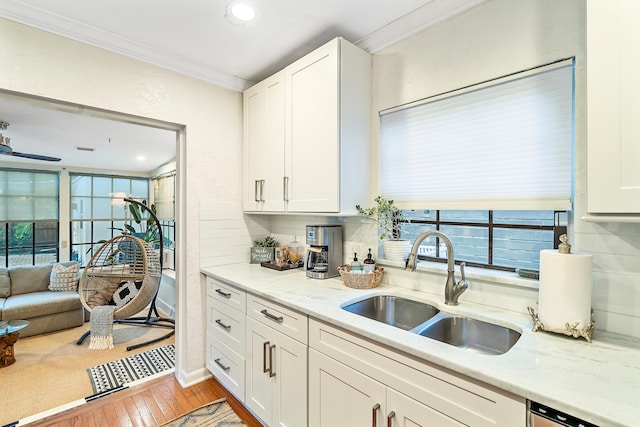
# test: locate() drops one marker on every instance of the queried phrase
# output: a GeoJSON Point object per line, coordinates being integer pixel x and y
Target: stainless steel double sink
{"type": "Point", "coordinates": [428, 321]}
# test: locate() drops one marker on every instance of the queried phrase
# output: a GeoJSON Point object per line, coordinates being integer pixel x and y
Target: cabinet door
{"type": "Point", "coordinates": [312, 133]}
{"type": "Point", "coordinates": [402, 411]}
{"type": "Point", "coordinates": [613, 106]}
{"type": "Point", "coordinates": [290, 393]}
{"type": "Point", "coordinates": [276, 377]}
{"type": "Point", "coordinates": [258, 383]}
{"type": "Point", "coordinates": [342, 397]}
{"type": "Point", "coordinates": [264, 145]}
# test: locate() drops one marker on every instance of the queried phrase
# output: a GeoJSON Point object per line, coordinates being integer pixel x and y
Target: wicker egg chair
{"type": "Point", "coordinates": [123, 266]}
{"type": "Point", "coordinates": [119, 262]}
{"type": "Point", "coordinates": [126, 262]}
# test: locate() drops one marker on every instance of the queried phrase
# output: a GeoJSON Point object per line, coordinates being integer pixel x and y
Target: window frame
{"type": "Point", "coordinates": [88, 248]}
{"type": "Point", "coordinates": [559, 227]}
{"type": "Point", "coordinates": [35, 223]}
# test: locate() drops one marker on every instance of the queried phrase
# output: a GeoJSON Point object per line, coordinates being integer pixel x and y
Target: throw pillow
{"type": "Point", "coordinates": [5, 283]}
{"type": "Point", "coordinates": [64, 278]}
{"type": "Point", "coordinates": [125, 292]}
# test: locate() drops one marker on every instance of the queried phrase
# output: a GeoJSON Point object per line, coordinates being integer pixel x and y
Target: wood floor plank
{"type": "Point", "coordinates": [115, 412]}
{"type": "Point", "coordinates": [148, 399]}
{"type": "Point", "coordinates": [145, 412]}
{"type": "Point", "coordinates": [164, 405]}
{"type": "Point", "coordinates": [88, 420]}
{"type": "Point", "coordinates": [134, 413]}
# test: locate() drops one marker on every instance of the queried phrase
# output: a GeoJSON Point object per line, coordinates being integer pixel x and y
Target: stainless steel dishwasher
{"type": "Point", "coordinates": [543, 416]}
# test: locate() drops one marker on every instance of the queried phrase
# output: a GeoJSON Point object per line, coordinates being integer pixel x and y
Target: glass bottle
{"type": "Point", "coordinates": [369, 265]}
{"type": "Point", "coordinates": [356, 265]}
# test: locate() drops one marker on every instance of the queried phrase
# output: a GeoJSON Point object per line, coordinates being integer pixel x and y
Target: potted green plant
{"type": "Point", "coordinates": [263, 250]}
{"type": "Point", "coordinates": [388, 218]}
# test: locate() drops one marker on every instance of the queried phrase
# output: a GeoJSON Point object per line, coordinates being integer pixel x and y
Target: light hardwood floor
{"type": "Point", "coordinates": [146, 405]}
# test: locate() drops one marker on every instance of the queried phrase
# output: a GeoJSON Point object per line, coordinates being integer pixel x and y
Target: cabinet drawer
{"type": "Point", "coordinates": [226, 324]}
{"type": "Point", "coordinates": [227, 294]}
{"type": "Point", "coordinates": [226, 365]}
{"type": "Point", "coordinates": [278, 317]}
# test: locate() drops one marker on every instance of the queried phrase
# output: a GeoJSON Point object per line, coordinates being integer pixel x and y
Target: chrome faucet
{"type": "Point", "coordinates": [452, 290]}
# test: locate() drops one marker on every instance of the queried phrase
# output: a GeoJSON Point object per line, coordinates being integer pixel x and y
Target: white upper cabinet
{"type": "Point", "coordinates": [264, 145]}
{"type": "Point", "coordinates": [613, 107]}
{"type": "Point", "coordinates": [325, 119]}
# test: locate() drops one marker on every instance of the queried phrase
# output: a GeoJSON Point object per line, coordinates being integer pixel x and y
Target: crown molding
{"type": "Point", "coordinates": [413, 22]}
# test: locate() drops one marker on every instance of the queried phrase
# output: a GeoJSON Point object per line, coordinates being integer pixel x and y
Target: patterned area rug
{"type": "Point", "coordinates": [214, 414]}
{"type": "Point", "coordinates": [119, 372]}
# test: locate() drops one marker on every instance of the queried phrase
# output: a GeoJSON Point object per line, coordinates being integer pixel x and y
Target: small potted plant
{"type": "Point", "coordinates": [388, 218]}
{"type": "Point", "coordinates": [263, 250]}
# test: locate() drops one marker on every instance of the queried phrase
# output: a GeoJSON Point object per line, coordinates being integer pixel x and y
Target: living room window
{"type": "Point", "coordinates": [98, 212]}
{"type": "Point", "coordinates": [490, 165]}
{"type": "Point", "coordinates": [29, 215]}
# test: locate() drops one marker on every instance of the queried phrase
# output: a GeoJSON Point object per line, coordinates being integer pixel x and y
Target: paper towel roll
{"type": "Point", "coordinates": [565, 290]}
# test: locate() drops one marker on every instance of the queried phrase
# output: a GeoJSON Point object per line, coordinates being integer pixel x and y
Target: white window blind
{"type": "Point", "coordinates": [28, 196]}
{"type": "Point", "coordinates": [164, 196]}
{"type": "Point", "coordinates": [506, 144]}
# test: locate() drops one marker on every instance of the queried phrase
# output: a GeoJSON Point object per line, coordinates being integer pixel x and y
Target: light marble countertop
{"type": "Point", "coordinates": [598, 382]}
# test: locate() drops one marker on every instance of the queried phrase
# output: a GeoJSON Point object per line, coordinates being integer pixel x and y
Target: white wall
{"type": "Point", "coordinates": [42, 64]}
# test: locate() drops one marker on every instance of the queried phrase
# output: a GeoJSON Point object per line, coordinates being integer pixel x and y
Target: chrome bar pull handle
{"type": "Point", "coordinates": [255, 190]}
{"type": "Point", "coordinates": [285, 188]}
{"type": "Point", "coordinates": [374, 415]}
{"type": "Point", "coordinates": [224, 294]}
{"type": "Point", "coordinates": [271, 372]}
{"type": "Point", "coordinates": [278, 319]}
{"type": "Point", "coordinates": [222, 325]}
{"type": "Point", "coordinates": [265, 345]}
{"type": "Point", "coordinates": [219, 363]}
{"type": "Point", "coordinates": [262, 190]}
{"type": "Point", "coordinates": [390, 417]}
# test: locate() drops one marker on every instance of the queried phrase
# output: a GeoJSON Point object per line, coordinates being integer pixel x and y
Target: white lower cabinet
{"type": "Point", "coordinates": [355, 382]}
{"type": "Point", "coordinates": [225, 338]}
{"type": "Point", "coordinates": [276, 376]}
{"type": "Point", "coordinates": [407, 412]}
{"type": "Point", "coordinates": [343, 397]}
{"type": "Point", "coordinates": [226, 365]}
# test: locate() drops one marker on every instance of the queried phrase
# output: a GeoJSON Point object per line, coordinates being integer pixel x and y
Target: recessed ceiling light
{"type": "Point", "coordinates": [141, 158]}
{"type": "Point", "coordinates": [240, 13]}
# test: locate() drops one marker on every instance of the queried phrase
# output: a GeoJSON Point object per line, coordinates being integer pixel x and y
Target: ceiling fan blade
{"type": "Point", "coordinates": [32, 156]}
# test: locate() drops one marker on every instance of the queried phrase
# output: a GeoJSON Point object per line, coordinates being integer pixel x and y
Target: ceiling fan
{"type": "Point", "coordinates": [7, 150]}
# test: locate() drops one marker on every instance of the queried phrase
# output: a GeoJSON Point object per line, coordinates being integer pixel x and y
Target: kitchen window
{"type": "Point", "coordinates": [502, 240]}
{"type": "Point", "coordinates": [28, 217]}
{"type": "Point", "coordinates": [490, 165]}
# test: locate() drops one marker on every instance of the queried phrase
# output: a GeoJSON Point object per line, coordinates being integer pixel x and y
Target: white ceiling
{"type": "Point", "coordinates": [194, 38]}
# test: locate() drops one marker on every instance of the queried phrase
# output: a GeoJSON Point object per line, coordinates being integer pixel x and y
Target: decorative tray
{"type": "Point", "coordinates": [274, 266]}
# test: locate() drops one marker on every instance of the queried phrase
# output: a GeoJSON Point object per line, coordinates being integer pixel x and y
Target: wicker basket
{"type": "Point", "coordinates": [360, 280]}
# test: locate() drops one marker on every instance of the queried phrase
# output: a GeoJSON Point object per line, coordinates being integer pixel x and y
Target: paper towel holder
{"type": "Point", "coordinates": [571, 329]}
